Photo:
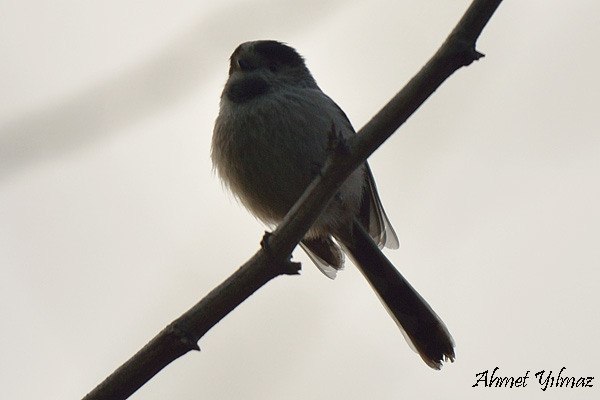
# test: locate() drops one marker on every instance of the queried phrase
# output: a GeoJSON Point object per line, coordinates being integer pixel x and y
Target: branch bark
{"type": "Point", "coordinates": [273, 259]}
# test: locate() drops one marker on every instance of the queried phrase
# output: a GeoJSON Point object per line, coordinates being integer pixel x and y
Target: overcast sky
{"type": "Point", "coordinates": [112, 223]}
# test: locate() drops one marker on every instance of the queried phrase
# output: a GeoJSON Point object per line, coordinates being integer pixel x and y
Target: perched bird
{"type": "Point", "coordinates": [270, 136]}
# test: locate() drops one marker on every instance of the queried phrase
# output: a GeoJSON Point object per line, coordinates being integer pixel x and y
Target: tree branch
{"type": "Point", "coordinates": [273, 259]}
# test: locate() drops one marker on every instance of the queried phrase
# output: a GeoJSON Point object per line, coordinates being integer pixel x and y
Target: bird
{"type": "Point", "coordinates": [271, 135]}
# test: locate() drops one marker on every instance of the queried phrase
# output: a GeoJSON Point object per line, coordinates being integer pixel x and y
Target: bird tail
{"type": "Point", "coordinates": [421, 326]}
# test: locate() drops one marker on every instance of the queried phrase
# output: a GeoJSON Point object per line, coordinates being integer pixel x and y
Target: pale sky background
{"type": "Point", "coordinates": [112, 223]}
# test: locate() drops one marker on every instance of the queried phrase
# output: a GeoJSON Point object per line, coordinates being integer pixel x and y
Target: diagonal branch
{"type": "Point", "coordinates": [273, 259]}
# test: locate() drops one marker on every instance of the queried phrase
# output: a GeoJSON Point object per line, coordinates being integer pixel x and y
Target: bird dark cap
{"type": "Point", "coordinates": [274, 51]}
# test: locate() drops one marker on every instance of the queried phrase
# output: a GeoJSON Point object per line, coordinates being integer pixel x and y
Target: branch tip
{"type": "Point", "coordinates": [292, 268]}
{"type": "Point", "coordinates": [286, 267]}
{"type": "Point", "coordinates": [264, 243]}
{"type": "Point", "coordinates": [184, 336]}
